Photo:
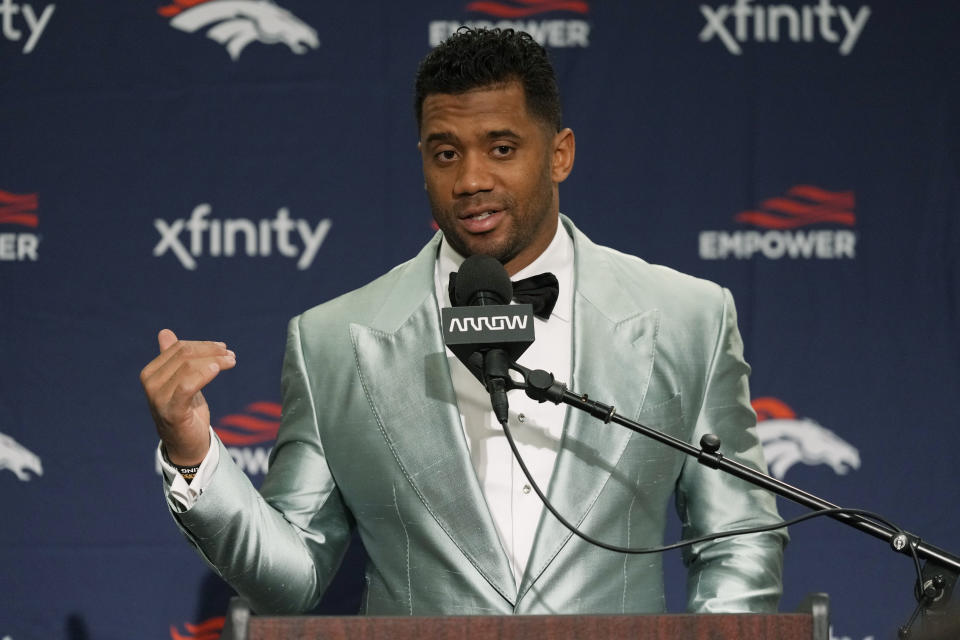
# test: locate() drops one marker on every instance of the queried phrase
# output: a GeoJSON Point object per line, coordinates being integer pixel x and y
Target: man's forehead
{"type": "Point", "coordinates": [494, 107]}
{"type": "Point", "coordinates": [501, 95]}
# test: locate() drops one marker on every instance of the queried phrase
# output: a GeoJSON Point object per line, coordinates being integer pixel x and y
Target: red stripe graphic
{"type": "Point", "coordinates": [533, 7]}
{"type": "Point", "coordinates": [843, 199]}
{"type": "Point", "coordinates": [267, 408]}
{"type": "Point", "coordinates": [25, 200]}
{"type": "Point", "coordinates": [19, 208]}
{"type": "Point", "coordinates": [812, 215]}
{"type": "Point", "coordinates": [25, 219]}
{"type": "Point", "coordinates": [805, 205]}
{"type": "Point", "coordinates": [770, 408]}
{"type": "Point", "coordinates": [178, 6]}
{"type": "Point", "coordinates": [241, 429]}
{"type": "Point", "coordinates": [207, 630]}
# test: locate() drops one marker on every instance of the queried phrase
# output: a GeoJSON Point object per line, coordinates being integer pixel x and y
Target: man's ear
{"type": "Point", "coordinates": [564, 148]}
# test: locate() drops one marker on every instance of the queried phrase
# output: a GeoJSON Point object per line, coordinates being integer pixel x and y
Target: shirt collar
{"type": "Point", "coordinates": [556, 258]}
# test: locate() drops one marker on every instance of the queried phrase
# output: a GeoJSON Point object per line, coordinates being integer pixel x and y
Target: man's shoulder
{"type": "Point", "coordinates": [669, 280]}
{"type": "Point", "coordinates": [359, 303]}
{"type": "Point", "coordinates": [405, 285]}
{"type": "Point", "coordinates": [689, 310]}
{"type": "Point", "coordinates": [653, 285]}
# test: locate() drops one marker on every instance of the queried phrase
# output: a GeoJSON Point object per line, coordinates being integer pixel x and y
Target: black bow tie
{"type": "Point", "coordinates": [540, 291]}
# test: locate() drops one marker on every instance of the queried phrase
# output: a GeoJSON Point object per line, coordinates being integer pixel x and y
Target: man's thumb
{"type": "Point", "coordinates": [166, 339]}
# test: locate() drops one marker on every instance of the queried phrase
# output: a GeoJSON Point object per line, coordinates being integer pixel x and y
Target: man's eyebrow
{"type": "Point", "coordinates": [441, 136]}
{"type": "Point", "coordinates": [503, 133]}
{"type": "Point", "coordinates": [446, 136]}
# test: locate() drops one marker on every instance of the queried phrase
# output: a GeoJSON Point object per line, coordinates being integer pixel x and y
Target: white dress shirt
{"type": "Point", "coordinates": [536, 427]}
{"type": "Point", "coordinates": [183, 492]}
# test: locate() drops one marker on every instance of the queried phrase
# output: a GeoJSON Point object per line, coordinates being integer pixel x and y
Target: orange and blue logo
{"type": "Point", "coordinates": [209, 629]}
{"type": "Point", "coordinates": [24, 464]}
{"type": "Point", "coordinates": [237, 23]}
{"type": "Point", "coordinates": [788, 439]}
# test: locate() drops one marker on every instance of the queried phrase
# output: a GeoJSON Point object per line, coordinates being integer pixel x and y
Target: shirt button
{"type": "Point", "coordinates": [526, 489]}
{"type": "Point", "coordinates": [521, 418]}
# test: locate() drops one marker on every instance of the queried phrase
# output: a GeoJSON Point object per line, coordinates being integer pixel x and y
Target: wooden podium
{"type": "Point", "coordinates": [811, 623]}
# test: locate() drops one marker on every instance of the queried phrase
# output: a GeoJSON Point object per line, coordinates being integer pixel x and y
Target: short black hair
{"type": "Point", "coordinates": [475, 58]}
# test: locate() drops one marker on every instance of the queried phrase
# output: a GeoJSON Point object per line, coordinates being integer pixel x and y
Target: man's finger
{"type": "Point", "coordinates": [178, 367]}
{"type": "Point", "coordinates": [189, 379]}
{"type": "Point", "coordinates": [166, 338]}
{"type": "Point", "coordinates": [180, 350]}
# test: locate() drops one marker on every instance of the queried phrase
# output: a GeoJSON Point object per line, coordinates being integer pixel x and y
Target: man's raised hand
{"type": "Point", "coordinates": [172, 382]}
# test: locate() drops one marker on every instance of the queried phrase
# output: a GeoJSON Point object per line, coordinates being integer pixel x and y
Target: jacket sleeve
{"type": "Point", "coordinates": [740, 573]}
{"type": "Point", "coordinates": [280, 547]}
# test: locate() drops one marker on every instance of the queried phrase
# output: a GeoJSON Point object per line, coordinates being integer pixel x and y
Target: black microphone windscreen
{"type": "Point", "coordinates": [482, 277]}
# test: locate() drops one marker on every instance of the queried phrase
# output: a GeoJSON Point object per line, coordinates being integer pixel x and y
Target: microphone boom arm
{"type": "Point", "coordinates": [541, 386]}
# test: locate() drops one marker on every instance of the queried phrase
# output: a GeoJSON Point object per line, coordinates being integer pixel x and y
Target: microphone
{"type": "Point", "coordinates": [483, 329]}
{"type": "Point", "coordinates": [482, 281]}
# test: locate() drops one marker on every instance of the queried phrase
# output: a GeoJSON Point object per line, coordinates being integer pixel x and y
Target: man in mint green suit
{"type": "Point", "coordinates": [371, 436]}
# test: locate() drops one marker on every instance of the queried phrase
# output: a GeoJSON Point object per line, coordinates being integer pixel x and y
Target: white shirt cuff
{"type": "Point", "coordinates": [186, 493]}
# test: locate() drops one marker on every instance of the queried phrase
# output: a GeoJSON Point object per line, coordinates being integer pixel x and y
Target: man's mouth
{"type": "Point", "coordinates": [478, 213]}
{"type": "Point", "coordinates": [480, 220]}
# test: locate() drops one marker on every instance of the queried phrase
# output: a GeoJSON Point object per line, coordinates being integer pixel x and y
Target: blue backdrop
{"type": "Point", "coordinates": [218, 166]}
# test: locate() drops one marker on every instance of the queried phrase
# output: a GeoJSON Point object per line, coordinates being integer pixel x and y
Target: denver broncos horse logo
{"type": "Point", "coordinates": [788, 440]}
{"type": "Point", "coordinates": [17, 458]}
{"type": "Point", "coordinates": [237, 23]}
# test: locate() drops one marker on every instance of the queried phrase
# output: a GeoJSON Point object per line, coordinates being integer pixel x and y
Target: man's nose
{"type": "Point", "coordinates": [473, 176]}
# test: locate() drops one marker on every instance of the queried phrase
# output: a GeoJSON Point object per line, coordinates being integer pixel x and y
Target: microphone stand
{"type": "Point", "coordinates": [935, 580]}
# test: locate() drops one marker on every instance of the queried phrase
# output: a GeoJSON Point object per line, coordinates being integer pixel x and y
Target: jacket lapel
{"type": "Point", "coordinates": [403, 366]}
{"type": "Point", "coordinates": [613, 353]}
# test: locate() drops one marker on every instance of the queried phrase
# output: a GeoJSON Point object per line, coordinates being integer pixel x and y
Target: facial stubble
{"type": "Point", "coordinates": [522, 234]}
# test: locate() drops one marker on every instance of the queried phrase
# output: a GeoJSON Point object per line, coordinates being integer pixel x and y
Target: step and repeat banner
{"type": "Point", "coordinates": [218, 166]}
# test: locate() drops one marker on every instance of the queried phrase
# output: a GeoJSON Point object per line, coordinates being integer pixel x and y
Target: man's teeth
{"type": "Point", "coordinates": [481, 216]}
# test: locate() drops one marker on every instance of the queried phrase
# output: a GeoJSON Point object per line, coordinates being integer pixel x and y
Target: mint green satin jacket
{"type": "Point", "coordinates": [371, 439]}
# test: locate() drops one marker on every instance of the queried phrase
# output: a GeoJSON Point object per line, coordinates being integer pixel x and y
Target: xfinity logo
{"type": "Point", "coordinates": [770, 23]}
{"type": "Point", "coordinates": [487, 323]}
{"type": "Point", "coordinates": [218, 238]}
{"type": "Point", "coordinates": [34, 23]}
